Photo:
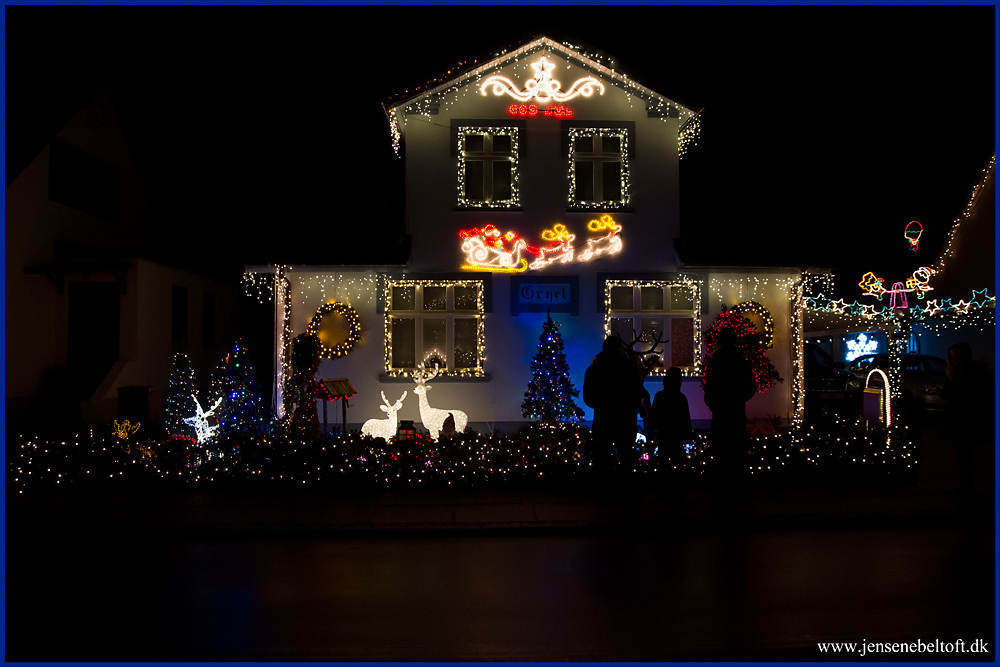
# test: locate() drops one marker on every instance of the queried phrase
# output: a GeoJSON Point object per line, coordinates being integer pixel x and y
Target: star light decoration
{"type": "Point", "coordinates": [199, 421]}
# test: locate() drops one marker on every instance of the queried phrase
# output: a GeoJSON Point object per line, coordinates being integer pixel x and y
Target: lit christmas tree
{"type": "Point", "coordinates": [550, 393]}
{"type": "Point", "coordinates": [179, 403]}
{"type": "Point", "coordinates": [749, 342]}
{"type": "Point", "coordinates": [242, 409]}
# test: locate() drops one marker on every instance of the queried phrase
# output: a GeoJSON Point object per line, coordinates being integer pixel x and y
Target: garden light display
{"type": "Point", "coordinates": [200, 421]}
{"type": "Point", "coordinates": [433, 419]}
{"type": "Point", "coordinates": [912, 234]}
{"type": "Point", "coordinates": [384, 428]}
{"type": "Point", "coordinates": [125, 429]}
{"type": "Point", "coordinates": [543, 87]}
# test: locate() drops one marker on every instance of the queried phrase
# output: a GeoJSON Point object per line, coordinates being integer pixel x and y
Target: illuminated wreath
{"type": "Point", "coordinates": [345, 342]}
{"type": "Point", "coordinates": [760, 318]}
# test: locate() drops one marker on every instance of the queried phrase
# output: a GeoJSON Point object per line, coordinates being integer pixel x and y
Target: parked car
{"type": "Point", "coordinates": [923, 377]}
{"type": "Point", "coordinates": [830, 387]}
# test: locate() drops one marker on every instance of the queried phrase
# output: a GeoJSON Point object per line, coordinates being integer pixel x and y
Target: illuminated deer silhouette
{"type": "Point", "coordinates": [384, 428]}
{"type": "Point", "coordinates": [432, 418]}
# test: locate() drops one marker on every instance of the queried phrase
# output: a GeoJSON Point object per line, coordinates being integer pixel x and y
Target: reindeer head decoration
{"type": "Point", "coordinates": [650, 358]}
{"type": "Point", "coordinates": [422, 376]}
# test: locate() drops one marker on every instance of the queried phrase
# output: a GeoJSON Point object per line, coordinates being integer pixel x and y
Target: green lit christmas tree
{"type": "Point", "coordinates": [550, 393]}
{"type": "Point", "coordinates": [179, 404]}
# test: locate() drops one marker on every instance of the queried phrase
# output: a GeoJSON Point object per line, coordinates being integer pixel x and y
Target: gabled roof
{"type": "Point", "coordinates": [965, 257]}
{"type": "Point", "coordinates": [425, 101]}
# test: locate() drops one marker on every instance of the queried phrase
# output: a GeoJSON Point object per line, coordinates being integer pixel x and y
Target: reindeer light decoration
{"type": "Point", "coordinates": [384, 428]}
{"type": "Point", "coordinates": [200, 421]}
{"type": "Point", "coordinates": [433, 418]}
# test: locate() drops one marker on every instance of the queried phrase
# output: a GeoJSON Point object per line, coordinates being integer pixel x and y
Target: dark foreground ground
{"type": "Point", "coordinates": [505, 576]}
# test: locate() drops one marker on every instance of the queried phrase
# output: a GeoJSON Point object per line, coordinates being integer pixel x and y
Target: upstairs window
{"type": "Point", "coordinates": [598, 168]}
{"type": "Point", "coordinates": [426, 318]}
{"type": "Point", "coordinates": [487, 167]}
{"type": "Point", "coordinates": [665, 310]}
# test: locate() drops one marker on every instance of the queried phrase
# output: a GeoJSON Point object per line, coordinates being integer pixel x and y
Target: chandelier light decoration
{"type": "Point", "coordinates": [542, 88]}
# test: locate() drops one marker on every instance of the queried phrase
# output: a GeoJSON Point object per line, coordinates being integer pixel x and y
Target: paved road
{"type": "Point", "coordinates": [639, 593]}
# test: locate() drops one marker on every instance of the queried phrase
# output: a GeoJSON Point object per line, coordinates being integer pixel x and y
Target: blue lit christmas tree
{"type": "Point", "coordinates": [550, 393]}
{"type": "Point", "coordinates": [179, 404]}
{"type": "Point", "coordinates": [241, 412]}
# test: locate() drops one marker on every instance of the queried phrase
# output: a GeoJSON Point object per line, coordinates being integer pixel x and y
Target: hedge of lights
{"type": "Point", "coordinates": [537, 454]}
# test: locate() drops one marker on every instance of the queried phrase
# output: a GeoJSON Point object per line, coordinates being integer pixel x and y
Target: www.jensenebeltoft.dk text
{"type": "Point", "coordinates": [936, 646]}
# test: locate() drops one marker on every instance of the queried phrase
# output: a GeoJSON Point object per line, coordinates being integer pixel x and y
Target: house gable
{"type": "Point", "coordinates": [518, 77]}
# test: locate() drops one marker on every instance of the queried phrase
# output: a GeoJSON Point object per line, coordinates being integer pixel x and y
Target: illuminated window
{"type": "Point", "coordinates": [598, 165]}
{"type": "Point", "coordinates": [487, 167]}
{"type": "Point", "coordinates": [426, 318]}
{"type": "Point", "coordinates": [667, 310]}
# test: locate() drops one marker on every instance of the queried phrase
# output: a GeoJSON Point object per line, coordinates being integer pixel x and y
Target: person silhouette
{"type": "Point", "coordinates": [671, 421]}
{"type": "Point", "coordinates": [613, 388]}
{"type": "Point", "coordinates": [729, 384]}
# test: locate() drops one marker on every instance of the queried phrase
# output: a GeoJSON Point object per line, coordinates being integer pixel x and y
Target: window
{"type": "Point", "coordinates": [598, 167]}
{"type": "Point", "coordinates": [487, 169]}
{"type": "Point", "coordinates": [668, 310]}
{"type": "Point", "coordinates": [429, 317]}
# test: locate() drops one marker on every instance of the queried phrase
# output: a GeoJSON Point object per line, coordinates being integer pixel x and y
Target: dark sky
{"type": "Point", "coordinates": [825, 129]}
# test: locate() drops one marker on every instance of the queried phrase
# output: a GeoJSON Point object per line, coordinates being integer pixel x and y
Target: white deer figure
{"type": "Point", "coordinates": [432, 418]}
{"type": "Point", "coordinates": [384, 428]}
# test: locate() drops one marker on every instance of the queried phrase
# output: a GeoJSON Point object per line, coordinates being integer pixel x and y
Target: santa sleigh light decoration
{"type": "Point", "coordinates": [489, 249]}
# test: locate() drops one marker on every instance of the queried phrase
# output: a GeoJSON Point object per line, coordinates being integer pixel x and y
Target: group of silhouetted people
{"type": "Point", "coordinates": [613, 387]}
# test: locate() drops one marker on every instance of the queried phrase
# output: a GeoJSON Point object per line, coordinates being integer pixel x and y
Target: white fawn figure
{"type": "Point", "coordinates": [432, 418]}
{"type": "Point", "coordinates": [384, 428]}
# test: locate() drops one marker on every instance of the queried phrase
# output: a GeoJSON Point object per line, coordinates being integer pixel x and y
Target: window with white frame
{"type": "Point", "coordinates": [487, 167]}
{"type": "Point", "coordinates": [432, 318]}
{"type": "Point", "coordinates": [598, 167]}
{"type": "Point", "coordinates": [658, 310]}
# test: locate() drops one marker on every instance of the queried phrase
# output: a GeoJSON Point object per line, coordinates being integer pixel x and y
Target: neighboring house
{"type": "Point", "coordinates": [949, 302]}
{"type": "Point", "coordinates": [87, 314]}
{"type": "Point", "coordinates": [539, 182]}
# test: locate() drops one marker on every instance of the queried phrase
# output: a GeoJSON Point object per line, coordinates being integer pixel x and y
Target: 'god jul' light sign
{"type": "Point", "coordinates": [531, 110]}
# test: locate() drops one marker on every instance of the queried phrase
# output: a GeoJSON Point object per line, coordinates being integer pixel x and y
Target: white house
{"type": "Point", "coordinates": [542, 181]}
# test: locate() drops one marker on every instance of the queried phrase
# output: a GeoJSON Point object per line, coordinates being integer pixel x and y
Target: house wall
{"type": "Point", "coordinates": [649, 225]}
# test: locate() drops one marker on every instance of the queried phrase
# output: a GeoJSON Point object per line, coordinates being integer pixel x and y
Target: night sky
{"type": "Point", "coordinates": [259, 131]}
